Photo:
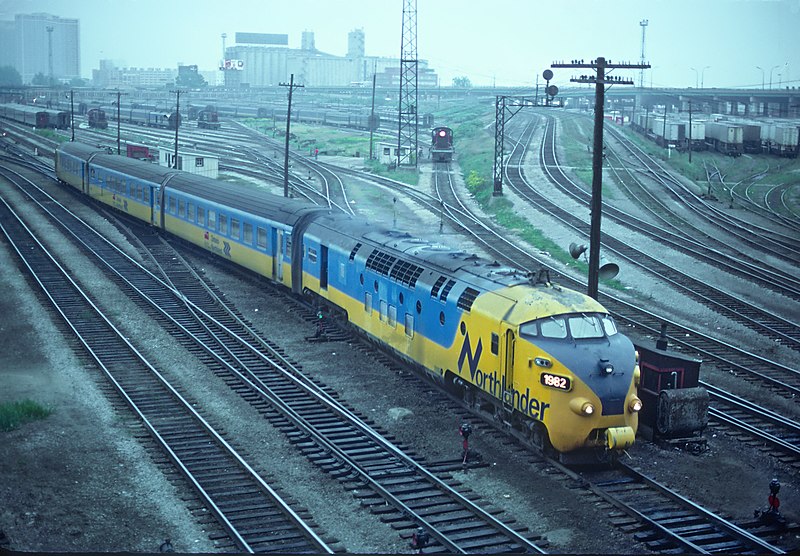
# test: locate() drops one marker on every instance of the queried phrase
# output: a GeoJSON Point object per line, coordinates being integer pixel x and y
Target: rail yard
{"type": "Point", "coordinates": [241, 417]}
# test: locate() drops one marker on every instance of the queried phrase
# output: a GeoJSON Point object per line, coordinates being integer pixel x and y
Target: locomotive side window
{"type": "Point", "coordinates": [553, 328]}
{"type": "Point", "coordinates": [495, 344]}
{"type": "Point", "coordinates": [609, 325]}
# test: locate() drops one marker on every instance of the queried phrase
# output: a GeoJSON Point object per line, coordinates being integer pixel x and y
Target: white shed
{"type": "Point", "coordinates": [194, 163]}
{"type": "Point", "coordinates": [387, 152]}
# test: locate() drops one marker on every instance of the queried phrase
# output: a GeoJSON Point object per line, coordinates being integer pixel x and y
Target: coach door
{"type": "Point", "coordinates": [278, 250]}
{"type": "Point", "coordinates": [507, 354]}
{"type": "Point", "coordinates": [323, 268]}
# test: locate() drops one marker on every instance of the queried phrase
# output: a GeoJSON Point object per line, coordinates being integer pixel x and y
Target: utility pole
{"type": "Point", "coordinates": [372, 125]}
{"type": "Point", "coordinates": [118, 118]}
{"type": "Point", "coordinates": [408, 120]}
{"type": "Point", "coordinates": [177, 121]}
{"type": "Point", "coordinates": [72, 113]}
{"type": "Point", "coordinates": [599, 65]}
{"type": "Point", "coordinates": [291, 86]}
{"type": "Point", "coordinates": [690, 131]}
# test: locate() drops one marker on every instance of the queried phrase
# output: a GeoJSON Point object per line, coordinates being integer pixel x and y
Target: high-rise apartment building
{"type": "Point", "coordinates": [42, 43]}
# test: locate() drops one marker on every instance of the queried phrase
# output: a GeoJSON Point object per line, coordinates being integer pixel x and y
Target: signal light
{"type": "Point", "coordinates": [442, 133]}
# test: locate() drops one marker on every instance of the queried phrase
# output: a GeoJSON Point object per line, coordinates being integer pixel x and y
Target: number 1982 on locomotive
{"type": "Point", "coordinates": [556, 381]}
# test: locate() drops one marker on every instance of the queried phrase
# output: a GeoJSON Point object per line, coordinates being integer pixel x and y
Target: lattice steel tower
{"type": "Point", "coordinates": [407, 127]}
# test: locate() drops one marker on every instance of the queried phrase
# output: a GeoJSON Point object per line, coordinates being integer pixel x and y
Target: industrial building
{"type": "Point", "coordinates": [264, 60]}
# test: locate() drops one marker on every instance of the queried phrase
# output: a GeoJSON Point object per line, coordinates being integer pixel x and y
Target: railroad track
{"type": "Point", "coordinates": [668, 522]}
{"type": "Point", "coordinates": [329, 433]}
{"type": "Point", "coordinates": [254, 516]}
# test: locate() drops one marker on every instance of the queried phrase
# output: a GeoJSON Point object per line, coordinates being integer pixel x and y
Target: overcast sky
{"type": "Point", "coordinates": [508, 42]}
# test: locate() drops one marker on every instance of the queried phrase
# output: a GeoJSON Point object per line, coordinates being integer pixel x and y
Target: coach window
{"type": "Point", "coordinates": [212, 220]}
{"type": "Point", "coordinates": [235, 229]}
{"type": "Point", "coordinates": [223, 224]}
{"type": "Point", "coordinates": [261, 237]}
{"type": "Point", "coordinates": [201, 216]}
{"type": "Point", "coordinates": [409, 325]}
{"type": "Point", "coordinates": [248, 233]}
{"type": "Point", "coordinates": [172, 205]}
{"type": "Point", "coordinates": [190, 212]}
{"type": "Point", "coordinates": [181, 208]}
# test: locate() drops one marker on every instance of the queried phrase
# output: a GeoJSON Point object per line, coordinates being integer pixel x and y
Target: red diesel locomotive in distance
{"type": "Point", "coordinates": [442, 144]}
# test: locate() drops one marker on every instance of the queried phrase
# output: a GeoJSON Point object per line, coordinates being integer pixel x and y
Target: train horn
{"type": "Point", "coordinates": [576, 250]}
{"type": "Point", "coordinates": [607, 270]}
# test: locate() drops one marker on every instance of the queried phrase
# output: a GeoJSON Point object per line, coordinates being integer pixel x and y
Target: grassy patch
{"type": "Point", "coordinates": [15, 414]}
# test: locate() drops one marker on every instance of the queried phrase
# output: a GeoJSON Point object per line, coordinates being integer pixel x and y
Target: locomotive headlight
{"type": "Point", "coordinates": [581, 406]}
{"type": "Point", "coordinates": [635, 405]}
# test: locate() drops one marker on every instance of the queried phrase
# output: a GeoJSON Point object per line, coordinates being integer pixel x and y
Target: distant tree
{"type": "Point", "coordinates": [462, 82]}
{"type": "Point", "coordinates": [9, 77]}
{"type": "Point", "coordinates": [40, 80]}
{"type": "Point", "coordinates": [77, 82]}
{"type": "Point", "coordinates": [189, 78]}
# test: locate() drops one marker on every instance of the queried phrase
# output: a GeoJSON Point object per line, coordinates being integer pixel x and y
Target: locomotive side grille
{"type": "Point", "coordinates": [466, 299]}
{"type": "Point", "coordinates": [406, 273]}
{"type": "Point", "coordinates": [354, 251]}
{"type": "Point", "coordinates": [447, 289]}
{"type": "Point", "coordinates": [380, 262]}
{"type": "Point", "coordinates": [436, 286]}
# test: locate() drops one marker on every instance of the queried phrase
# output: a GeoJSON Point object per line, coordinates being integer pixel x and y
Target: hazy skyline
{"type": "Point", "coordinates": [507, 42]}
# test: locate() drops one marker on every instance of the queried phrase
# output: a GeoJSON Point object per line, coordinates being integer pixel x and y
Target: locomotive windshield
{"type": "Point", "coordinates": [581, 326]}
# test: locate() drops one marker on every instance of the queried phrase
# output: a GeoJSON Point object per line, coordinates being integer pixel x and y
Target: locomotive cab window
{"type": "Point", "coordinates": [495, 344]}
{"type": "Point", "coordinates": [582, 326]}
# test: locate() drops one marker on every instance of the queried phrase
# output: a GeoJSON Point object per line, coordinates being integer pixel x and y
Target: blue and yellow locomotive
{"type": "Point", "coordinates": [547, 361]}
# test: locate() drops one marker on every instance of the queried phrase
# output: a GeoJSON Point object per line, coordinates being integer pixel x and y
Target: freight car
{"type": "Point", "coordinates": [28, 115]}
{"type": "Point", "coordinates": [546, 362]}
{"type": "Point", "coordinates": [442, 144]}
{"type": "Point", "coordinates": [781, 139]}
{"type": "Point", "coordinates": [725, 138]}
{"type": "Point", "coordinates": [668, 132]}
{"type": "Point", "coordinates": [58, 119]}
{"type": "Point", "coordinates": [97, 118]}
